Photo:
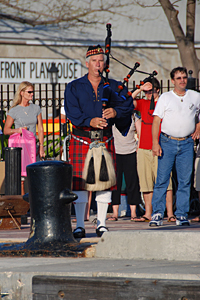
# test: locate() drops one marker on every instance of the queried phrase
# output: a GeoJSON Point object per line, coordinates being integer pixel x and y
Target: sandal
{"type": "Point", "coordinates": [112, 219]}
{"type": "Point", "coordinates": [141, 219]}
{"type": "Point", "coordinates": [171, 219]}
{"type": "Point", "coordinates": [197, 219]}
{"type": "Point", "coordinates": [133, 219]}
{"type": "Point", "coordinates": [75, 221]}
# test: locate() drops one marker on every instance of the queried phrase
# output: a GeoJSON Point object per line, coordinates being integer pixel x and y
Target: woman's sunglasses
{"type": "Point", "coordinates": [30, 92]}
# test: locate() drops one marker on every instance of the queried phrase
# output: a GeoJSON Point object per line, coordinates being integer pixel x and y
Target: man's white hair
{"type": "Point", "coordinates": [88, 58]}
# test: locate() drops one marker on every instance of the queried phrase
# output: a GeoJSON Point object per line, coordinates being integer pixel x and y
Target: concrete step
{"type": "Point", "coordinates": [153, 244]}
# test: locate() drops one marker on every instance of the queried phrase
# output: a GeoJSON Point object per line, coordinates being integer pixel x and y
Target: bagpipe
{"type": "Point", "coordinates": [99, 171]}
{"type": "Point", "coordinates": [106, 93]}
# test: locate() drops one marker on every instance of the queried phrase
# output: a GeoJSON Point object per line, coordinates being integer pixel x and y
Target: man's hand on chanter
{"type": "Point", "coordinates": [109, 113]}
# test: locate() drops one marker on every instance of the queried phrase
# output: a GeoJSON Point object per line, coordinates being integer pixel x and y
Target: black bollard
{"type": "Point", "coordinates": [12, 170]}
{"type": "Point", "coordinates": [50, 198]}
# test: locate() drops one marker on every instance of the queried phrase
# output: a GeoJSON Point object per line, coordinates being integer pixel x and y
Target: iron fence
{"type": "Point", "coordinates": [51, 112]}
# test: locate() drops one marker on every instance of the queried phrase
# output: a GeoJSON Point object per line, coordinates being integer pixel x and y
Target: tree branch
{"type": "Point", "coordinates": [62, 12]}
{"type": "Point", "coordinates": [156, 4]}
{"type": "Point", "coordinates": [190, 25]}
{"type": "Point", "coordinates": [172, 17]}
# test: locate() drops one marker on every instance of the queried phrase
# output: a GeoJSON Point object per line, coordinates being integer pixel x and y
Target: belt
{"type": "Point", "coordinates": [175, 138]}
{"type": "Point", "coordinates": [92, 134]}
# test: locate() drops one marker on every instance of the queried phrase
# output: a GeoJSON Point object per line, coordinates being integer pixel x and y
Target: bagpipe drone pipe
{"type": "Point", "coordinates": [123, 97]}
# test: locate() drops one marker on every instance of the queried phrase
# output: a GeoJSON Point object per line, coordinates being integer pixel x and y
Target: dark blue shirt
{"type": "Point", "coordinates": [81, 104]}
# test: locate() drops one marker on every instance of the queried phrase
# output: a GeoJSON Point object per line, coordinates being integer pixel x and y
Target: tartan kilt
{"type": "Point", "coordinates": [77, 155]}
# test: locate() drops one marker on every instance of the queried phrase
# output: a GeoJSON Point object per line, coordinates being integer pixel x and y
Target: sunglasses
{"type": "Point", "coordinates": [30, 92]}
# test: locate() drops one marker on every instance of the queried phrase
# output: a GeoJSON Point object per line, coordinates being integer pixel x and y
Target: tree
{"type": "Point", "coordinates": [185, 41]}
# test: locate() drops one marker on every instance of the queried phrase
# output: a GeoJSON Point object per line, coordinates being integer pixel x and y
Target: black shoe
{"type": "Point", "coordinates": [79, 234]}
{"type": "Point", "coordinates": [99, 233]}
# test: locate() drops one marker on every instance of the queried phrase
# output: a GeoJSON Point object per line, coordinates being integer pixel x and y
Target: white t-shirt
{"type": "Point", "coordinates": [177, 113]}
{"type": "Point", "coordinates": [125, 144]}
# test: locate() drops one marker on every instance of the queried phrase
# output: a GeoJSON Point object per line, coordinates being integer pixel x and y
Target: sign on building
{"type": "Point", "coordinates": [36, 70]}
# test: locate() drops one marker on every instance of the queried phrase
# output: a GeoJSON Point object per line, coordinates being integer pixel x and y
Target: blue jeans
{"type": "Point", "coordinates": [181, 153]}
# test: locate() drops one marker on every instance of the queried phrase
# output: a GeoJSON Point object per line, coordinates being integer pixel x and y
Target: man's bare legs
{"type": "Point", "coordinates": [115, 209]}
{"type": "Point", "coordinates": [148, 206]}
{"type": "Point", "coordinates": [133, 212]}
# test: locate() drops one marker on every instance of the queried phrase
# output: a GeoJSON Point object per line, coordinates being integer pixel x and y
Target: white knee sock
{"type": "Point", "coordinates": [79, 206]}
{"type": "Point", "coordinates": [102, 209]}
{"type": "Point", "coordinates": [102, 198]}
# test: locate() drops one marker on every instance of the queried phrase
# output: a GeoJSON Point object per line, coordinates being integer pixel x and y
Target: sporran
{"type": "Point", "coordinates": [99, 171]}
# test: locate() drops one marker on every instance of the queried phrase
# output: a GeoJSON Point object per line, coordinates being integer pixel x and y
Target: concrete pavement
{"type": "Point", "coordinates": [16, 273]}
{"type": "Point", "coordinates": [129, 250]}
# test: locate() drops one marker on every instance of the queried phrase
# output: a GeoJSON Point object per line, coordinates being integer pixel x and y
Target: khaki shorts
{"type": "Point", "coordinates": [197, 174]}
{"type": "Point", "coordinates": [147, 165]}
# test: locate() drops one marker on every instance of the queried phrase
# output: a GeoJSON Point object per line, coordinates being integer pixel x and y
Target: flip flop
{"type": "Point", "coordinates": [197, 219]}
{"type": "Point", "coordinates": [112, 219]}
{"type": "Point", "coordinates": [133, 219]}
{"type": "Point", "coordinates": [74, 220]}
{"type": "Point", "coordinates": [141, 219]}
{"type": "Point", "coordinates": [171, 219]}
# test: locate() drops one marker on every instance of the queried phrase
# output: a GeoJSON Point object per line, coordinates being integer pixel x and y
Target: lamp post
{"type": "Point", "coordinates": [54, 80]}
{"type": "Point", "coordinates": [191, 83]}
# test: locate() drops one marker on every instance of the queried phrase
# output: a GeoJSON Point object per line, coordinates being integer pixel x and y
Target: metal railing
{"type": "Point", "coordinates": [51, 108]}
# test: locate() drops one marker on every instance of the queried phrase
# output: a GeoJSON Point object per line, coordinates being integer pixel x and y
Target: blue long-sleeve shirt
{"type": "Point", "coordinates": [81, 104]}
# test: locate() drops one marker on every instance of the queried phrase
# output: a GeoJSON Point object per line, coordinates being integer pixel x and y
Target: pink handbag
{"type": "Point", "coordinates": [27, 142]}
